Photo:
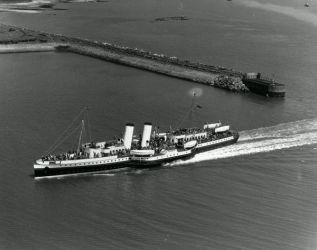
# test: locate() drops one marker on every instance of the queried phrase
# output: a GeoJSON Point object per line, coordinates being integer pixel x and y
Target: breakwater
{"type": "Point", "coordinates": [216, 76]}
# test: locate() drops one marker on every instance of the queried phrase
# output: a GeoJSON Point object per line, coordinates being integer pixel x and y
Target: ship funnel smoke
{"type": "Point", "coordinates": [282, 136]}
{"type": "Point", "coordinates": [128, 135]}
{"type": "Point", "coordinates": [147, 129]}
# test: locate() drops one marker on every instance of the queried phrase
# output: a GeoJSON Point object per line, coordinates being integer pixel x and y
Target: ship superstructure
{"type": "Point", "coordinates": [89, 157]}
{"type": "Point", "coordinates": [212, 135]}
{"type": "Point", "coordinates": [156, 148]}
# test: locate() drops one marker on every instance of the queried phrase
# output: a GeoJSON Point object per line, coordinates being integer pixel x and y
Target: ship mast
{"type": "Point", "coordinates": [80, 136]}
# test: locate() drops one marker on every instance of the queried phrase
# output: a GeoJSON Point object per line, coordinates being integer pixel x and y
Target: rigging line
{"type": "Point", "coordinates": [84, 130]}
{"type": "Point", "coordinates": [88, 125]}
{"type": "Point", "coordinates": [184, 117]}
{"type": "Point", "coordinates": [81, 134]}
{"type": "Point", "coordinates": [189, 112]}
{"type": "Point", "coordinates": [198, 118]}
{"type": "Point", "coordinates": [84, 138]}
{"type": "Point", "coordinates": [65, 131]}
{"type": "Point", "coordinates": [63, 134]}
{"type": "Point", "coordinates": [74, 143]}
{"type": "Point", "coordinates": [65, 138]}
{"type": "Point", "coordinates": [83, 122]}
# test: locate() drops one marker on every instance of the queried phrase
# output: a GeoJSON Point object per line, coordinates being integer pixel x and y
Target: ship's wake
{"type": "Point", "coordinates": [282, 136]}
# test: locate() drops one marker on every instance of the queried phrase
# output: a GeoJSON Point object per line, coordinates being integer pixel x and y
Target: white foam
{"type": "Point", "coordinates": [301, 14]}
{"type": "Point", "coordinates": [19, 10]}
{"type": "Point", "coordinates": [282, 136]}
{"type": "Point", "coordinates": [104, 175]}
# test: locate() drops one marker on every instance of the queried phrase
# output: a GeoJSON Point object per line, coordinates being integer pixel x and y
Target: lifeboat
{"type": "Point", "coordinates": [190, 144]}
{"type": "Point", "coordinates": [142, 152]}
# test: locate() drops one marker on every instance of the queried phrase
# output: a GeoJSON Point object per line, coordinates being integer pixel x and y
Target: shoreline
{"type": "Point", "coordinates": [18, 40]}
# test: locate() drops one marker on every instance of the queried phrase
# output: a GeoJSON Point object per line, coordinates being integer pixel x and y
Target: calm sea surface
{"type": "Point", "coordinates": [258, 194]}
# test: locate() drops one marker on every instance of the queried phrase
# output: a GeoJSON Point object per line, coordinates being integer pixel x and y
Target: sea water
{"type": "Point", "coordinates": [260, 193]}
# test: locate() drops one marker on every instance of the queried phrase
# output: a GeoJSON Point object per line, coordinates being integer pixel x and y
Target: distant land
{"type": "Point", "coordinates": [34, 6]}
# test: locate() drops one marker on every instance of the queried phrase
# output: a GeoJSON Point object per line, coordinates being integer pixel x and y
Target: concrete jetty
{"type": "Point", "coordinates": [26, 47]}
{"type": "Point", "coordinates": [141, 63]}
{"type": "Point", "coordinates": [24, 40]}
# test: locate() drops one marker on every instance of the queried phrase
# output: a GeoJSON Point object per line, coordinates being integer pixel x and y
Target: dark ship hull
{"type": "Point", "coordinates": [76, 168]}
{"type": "Point", "coordinates": [263, 86]}
{"type": "Point", "coordinates": [208, 145]}
{"type": "Point", "coordinates": [146, 162]}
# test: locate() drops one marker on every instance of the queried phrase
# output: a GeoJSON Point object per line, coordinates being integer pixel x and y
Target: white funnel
{"type": "Point", "coordinates": [128, 135]}
{"type": "Point", "coordinates": [146, 134]}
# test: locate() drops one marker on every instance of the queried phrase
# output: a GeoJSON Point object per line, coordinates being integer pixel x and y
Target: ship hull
{"type": "Point", "coordinates": [267, 89]}
{"type": "Point", "coordinates": [276, 94]}
{"type": "Point", "coordinates": [56, 170]}
{"type": "Point", "coordinates": [141, 163]}
{"type": "Point", "coordinates": [201, 147]}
